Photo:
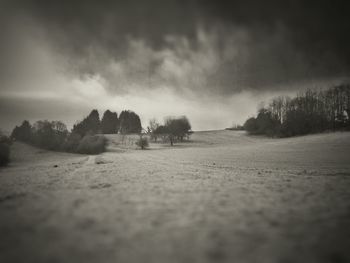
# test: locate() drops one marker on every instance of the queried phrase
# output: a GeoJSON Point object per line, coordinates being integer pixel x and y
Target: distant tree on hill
{"type": "Point", "coordinates": [129, 122]}
{"type": "Point", "coordinates": [109, 122]}
{"type": "Point", "coordinates": [174, 129]}
{"type": "Point", "coordinates": [177, 128]}
{"type": "Point", "coordinates": [90, 125]}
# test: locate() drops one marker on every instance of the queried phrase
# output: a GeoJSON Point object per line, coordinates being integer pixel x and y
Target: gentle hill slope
{"type": "Point", "coordinates": [224, 194]}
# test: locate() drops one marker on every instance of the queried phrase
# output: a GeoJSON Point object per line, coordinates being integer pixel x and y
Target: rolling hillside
{"type": "Point", "coordinates": [222, 195]}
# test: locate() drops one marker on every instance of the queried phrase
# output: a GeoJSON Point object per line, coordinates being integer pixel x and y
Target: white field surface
{"type": "Point", "coordinates": [223, 197]}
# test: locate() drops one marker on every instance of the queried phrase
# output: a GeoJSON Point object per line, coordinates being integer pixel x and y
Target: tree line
{"type": "Point", "coordinates": [311, 111]}
{"type": "Point", "coordinates": [128, 122]}
{"type": "Point", "coordinates": [84, 136]}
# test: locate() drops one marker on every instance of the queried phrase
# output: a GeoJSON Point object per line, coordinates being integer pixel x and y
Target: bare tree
{"type": "Point", "coordinates": [153, 126]}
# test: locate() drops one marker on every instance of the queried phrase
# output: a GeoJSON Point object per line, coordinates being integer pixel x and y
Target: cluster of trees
{"type": "Point", "coordinates": [83, 138]}
{"type": "Point", "coordinates": [174, 129]}
{"type": "Point", "coordinates": [5, 143]}
{"type": "Point", "coordinates": [44, 134]}
{"type": "Point", "coordinates": [53, 135]}
{"type": "Point", "coordinates": [309, 112]}
{"type": "Point", "coordinates": [128, 122]}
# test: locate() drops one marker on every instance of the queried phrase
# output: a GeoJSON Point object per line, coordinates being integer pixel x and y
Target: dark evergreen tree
{"type": "Point", "coordinates": [89, 125]}
{"type": "Point", "coordinates": [93, 122]}
{"type": "Point", "coordinates": [129, 122]}
{"type": "Point", "coordinates": [109, 122]}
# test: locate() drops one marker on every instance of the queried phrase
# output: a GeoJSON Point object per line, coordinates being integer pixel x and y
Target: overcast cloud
{"type": "Point", "coordinates": [212, 62]}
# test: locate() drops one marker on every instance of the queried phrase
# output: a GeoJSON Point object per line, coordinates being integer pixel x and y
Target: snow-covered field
{"type": "Point", "coordinates": [223, 197]}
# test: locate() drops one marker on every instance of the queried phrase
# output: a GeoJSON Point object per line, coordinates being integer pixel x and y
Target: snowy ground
{"type": "Point", "coordinates": [224, 197]}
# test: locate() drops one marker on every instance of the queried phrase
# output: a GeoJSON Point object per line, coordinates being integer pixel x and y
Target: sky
{"type": "Point", "coordinates": [213, 61]}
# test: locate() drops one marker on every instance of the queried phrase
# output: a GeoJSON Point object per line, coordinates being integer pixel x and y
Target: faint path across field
{"type": "Point", "coordinates": [223, 197]}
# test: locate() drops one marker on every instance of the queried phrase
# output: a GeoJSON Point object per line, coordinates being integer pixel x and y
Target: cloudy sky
{"type": "Point", "coordinates": [213, 61]}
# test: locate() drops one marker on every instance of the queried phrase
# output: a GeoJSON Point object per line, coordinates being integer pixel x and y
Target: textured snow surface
{"type": "Point", "coordinates": [223, 197]}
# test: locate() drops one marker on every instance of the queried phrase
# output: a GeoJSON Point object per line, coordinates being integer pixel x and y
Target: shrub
{"type": "Point", "coordinates": [72, 142]}
{"type": "Point", "coordinates": [5, 143]}
{"type": "Point", "coordinates": [251, 125]}
{"type": "Point", "coordinates": [4, 154]}
{"type": "Point", "coordinates": [142, 142]}
{"type": "Point", "coordinates": [5, 139]}
{"type": "Point", "coordinates": [92, 144]}
{"type": "Point", "coordinates": [23, 132]}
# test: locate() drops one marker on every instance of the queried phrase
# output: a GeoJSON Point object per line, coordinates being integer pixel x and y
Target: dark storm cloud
{"type": "Point", "coordinates": [312, 25]}
{"type": "Point", "coordinates": [217, 46]}
{"type": "Point", "coordinates": [77, 25]}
